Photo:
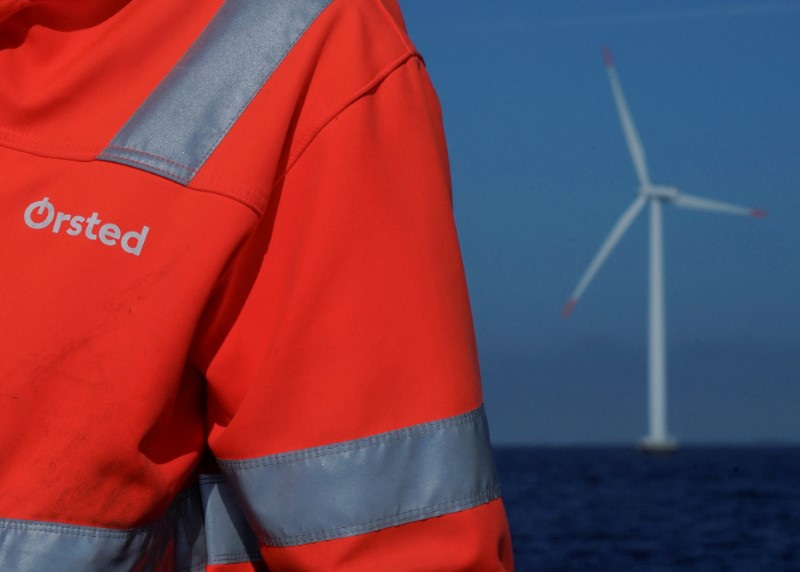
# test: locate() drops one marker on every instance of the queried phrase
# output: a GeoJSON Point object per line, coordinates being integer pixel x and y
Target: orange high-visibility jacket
{"type": "Point", "coordinates": [235, 329]}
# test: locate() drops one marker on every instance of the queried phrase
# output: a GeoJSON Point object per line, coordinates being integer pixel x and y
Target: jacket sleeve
{"type": "Point", "coordinates": [343, 393]}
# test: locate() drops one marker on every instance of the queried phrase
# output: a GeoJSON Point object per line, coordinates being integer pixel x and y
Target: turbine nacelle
{"type": "Point", "coordinates": [659, 192]}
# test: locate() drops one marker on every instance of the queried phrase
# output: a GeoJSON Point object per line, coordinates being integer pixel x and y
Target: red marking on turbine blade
{"type": "Point", "coordinates": [757, 213]}
{"type": "Point", "coordinates": [607, 57]}
{"type": "Point", "coordinates": [568, 308]}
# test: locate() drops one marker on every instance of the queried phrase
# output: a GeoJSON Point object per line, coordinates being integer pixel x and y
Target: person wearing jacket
{"type": "Point", "coordinates": [236, 327]}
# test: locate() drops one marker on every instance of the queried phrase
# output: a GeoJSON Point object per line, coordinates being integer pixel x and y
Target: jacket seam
{"type": "Point", "coordinates": [146, 154]}
{"type": "Point", "coordinates": [88, 153]}
{"type": "Point", "coordinates": [354, 445]}
{"type": "Point", "coordinates": [393, 23]}
{"type": "Point", "coordinates": [234, 557]}
{"type": "Point", "coordinates": [157, 170]}
{"type": "Point", "coordinates": [376, 80]}
{"type": "Point", "coordinates": [16, 140]}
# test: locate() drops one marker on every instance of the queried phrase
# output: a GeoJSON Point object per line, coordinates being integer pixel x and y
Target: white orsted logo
{"type": "Point", "coordinates": [41, 214]}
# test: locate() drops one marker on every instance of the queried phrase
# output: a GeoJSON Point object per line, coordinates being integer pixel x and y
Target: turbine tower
{"type": "Point", "coordinates": [657, 440]}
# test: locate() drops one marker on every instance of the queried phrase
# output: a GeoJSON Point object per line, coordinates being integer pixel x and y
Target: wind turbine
{"type": "Point", "coordinates": [657, 440]}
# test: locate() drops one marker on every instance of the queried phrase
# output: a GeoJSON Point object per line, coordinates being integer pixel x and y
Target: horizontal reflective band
{"type": "Point", "coordinates": [175, 538]}
{"type": "Point", "coordinates": [368, 484]}
{"type": "Point", "coordinates": [198, 529]}
{"type": "Point", "coordinates": [190, 111]}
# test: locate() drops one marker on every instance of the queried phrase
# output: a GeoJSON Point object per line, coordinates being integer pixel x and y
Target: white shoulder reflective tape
{"type": "Point", "coordinates": [367, 484]}
{"type": "Point", "coordinates": [190, 111]}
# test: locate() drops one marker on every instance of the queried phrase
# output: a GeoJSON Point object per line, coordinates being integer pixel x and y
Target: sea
{"type": "Point", "coordinates": [613, 508]}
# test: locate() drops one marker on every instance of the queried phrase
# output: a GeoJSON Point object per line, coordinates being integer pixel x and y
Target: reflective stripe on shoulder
{"type": "Point", "coordinates": [368, 484]}
{"type": "Point", "coordinates": [183, 120]}
{"type": "Point", "coordinates": [197, 530]}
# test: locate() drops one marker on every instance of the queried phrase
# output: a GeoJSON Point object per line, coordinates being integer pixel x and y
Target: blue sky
{"type": "Point", "coordinates": [541, 173]}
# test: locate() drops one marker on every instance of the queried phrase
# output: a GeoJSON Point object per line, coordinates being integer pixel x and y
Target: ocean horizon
{"type": "Point", "coordinates": [609, 507]}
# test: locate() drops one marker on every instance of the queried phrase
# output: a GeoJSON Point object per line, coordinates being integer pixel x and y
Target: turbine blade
{"type": "Point", "coordinates": [608, 245]}
{"type": "Point", "coordinates": [701, 204]}
{"type": "Point", "coordinates": [634, 144]}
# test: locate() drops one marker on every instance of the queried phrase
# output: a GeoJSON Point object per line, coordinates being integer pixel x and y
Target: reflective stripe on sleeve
{"type": "Point", "coordinates": [197, 530]}
{"type": "Point", "coordinates": [368, 484]}
{"type": "Point", "coordinates": [183, 120]}
{"type": "Point", "coordinates": [176, 537]}
{"type": "Point", "coordinates": [229, 539]}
